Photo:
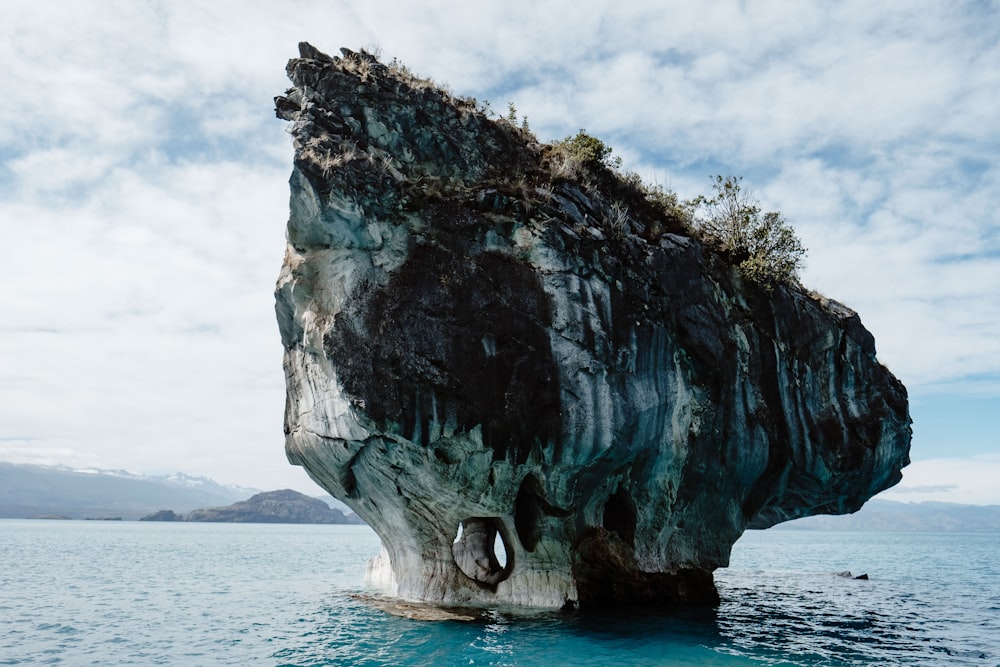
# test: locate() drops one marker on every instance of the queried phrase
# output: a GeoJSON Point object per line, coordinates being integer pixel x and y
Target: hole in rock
{"type": "Point", "coordinates": [482, 551]}
{"type": "Point", "coordinates": [619, 516]}
{"type": "Point", "coordinates": [500, 550]}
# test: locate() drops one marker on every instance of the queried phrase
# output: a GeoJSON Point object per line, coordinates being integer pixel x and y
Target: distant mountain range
{"type": "Point", "coordinates": [889, 515]}
{"type": "Point", "coordinates": [57, 491]}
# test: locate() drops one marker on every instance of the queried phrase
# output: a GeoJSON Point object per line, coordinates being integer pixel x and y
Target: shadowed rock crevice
{"type": "Point", "coordinates": [480, 332]}
{"type": "Point", "coordinates": [530, 511]}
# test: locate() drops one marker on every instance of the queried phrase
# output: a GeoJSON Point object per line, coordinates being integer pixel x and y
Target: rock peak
{"type": "Point", "coordinates": [536, 384]}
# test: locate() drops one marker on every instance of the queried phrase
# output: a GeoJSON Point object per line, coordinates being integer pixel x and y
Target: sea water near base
{"type": "Point", "coordinates": [131, 593]}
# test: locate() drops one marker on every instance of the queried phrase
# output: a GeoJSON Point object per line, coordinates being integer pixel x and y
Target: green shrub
{"type": "Point", "coordinates": [764, 245]}
{"type": "Point", "coordinates": [589, 151]}
{"type": "Point", "coordinates": [666, 202]}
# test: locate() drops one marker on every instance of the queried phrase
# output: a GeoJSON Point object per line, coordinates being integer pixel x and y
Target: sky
{"type": "Point", "coordinates": [144, 193]}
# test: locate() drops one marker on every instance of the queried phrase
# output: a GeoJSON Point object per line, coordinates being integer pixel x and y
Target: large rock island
{"type": "Point", "coordinates": [535, 382]}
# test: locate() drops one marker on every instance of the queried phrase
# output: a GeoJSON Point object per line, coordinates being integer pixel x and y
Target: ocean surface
{"type": "Point", "coordinates": [131, 593]}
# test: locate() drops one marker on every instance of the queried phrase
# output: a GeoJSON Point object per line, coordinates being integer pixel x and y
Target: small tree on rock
{"type": "Point", "coordinates": [764, 245]}
{"type": "Point", "coordinates": [589, 151]}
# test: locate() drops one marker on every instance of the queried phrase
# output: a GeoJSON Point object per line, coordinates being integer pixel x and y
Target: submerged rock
{"type": "Point", "coordinates": [534, 385]}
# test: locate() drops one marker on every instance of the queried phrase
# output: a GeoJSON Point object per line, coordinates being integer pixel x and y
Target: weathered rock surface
{"type": "Point", "coordinates": [285, 506]}
{"type": "Point", "coordinates": [477, 336]}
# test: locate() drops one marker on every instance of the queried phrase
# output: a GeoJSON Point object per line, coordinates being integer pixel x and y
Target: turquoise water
{"type": "Point", "coordinates": [130, 593]}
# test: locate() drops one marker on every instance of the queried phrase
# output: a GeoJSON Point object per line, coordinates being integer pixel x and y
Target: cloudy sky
{"type": "Point", "coordinates": [143, 193]}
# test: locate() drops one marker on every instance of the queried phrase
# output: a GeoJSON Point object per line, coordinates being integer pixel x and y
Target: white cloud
{"type": "Point", "coordinates": [914, 248]}
{"type": "Point", "coordinates": [144, 330]}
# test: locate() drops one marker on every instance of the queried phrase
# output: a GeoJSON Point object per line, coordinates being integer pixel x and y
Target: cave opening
{"type": "Point", "coordinates": [619, 516]}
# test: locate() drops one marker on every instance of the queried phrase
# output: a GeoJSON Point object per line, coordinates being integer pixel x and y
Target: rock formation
{"type": "Point", "coordinates": [535, 385]}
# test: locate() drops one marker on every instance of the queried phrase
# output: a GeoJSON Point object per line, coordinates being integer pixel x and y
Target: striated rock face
{"type": "Point", "coordinates": [535, 386]}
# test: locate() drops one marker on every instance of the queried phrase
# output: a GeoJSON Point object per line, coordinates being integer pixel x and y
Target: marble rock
{"type": "Point", "coordinates": [537, 388]}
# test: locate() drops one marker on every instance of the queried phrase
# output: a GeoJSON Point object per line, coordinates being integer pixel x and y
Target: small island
{"type": "Point", "coordinates": [163, 515]}
{"type": "Point", "coordinates": [284, 506]}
